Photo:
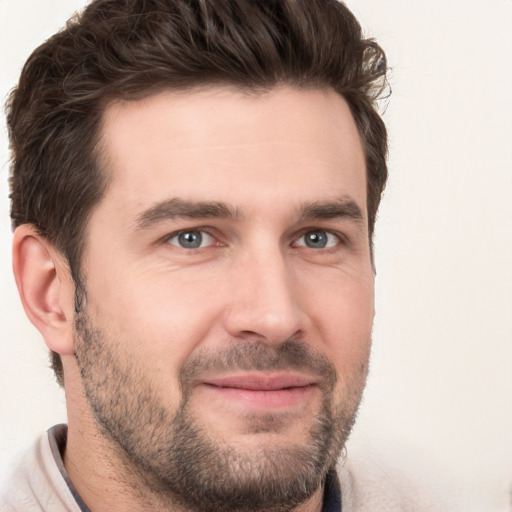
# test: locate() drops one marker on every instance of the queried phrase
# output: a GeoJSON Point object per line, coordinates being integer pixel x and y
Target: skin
{"type": "Point", "coordinates": [288, 163]}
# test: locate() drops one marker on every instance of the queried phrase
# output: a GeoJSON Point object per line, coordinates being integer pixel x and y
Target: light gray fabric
{"type": "Point", "coordinates": [371, 488]}
{"type": "Point", "coordinates": [37, 483]}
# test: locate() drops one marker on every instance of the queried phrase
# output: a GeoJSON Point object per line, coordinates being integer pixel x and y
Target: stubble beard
{"type": "Point", "coordinates": [174, 458]}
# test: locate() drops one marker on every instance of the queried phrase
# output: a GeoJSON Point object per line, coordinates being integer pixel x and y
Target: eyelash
{"type": "Point", "coordinates": [201, 231]}
{"type": "Point", "coordinates": [340, 239]}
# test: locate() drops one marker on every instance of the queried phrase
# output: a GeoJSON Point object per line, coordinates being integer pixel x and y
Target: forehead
{"type": "Point", "coordinates": [226, 145]}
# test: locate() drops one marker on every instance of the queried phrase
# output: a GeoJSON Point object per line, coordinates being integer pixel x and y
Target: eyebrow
{"type": "Point", "coordinates": [337, 209]}
{"type": "Point", "coordinates": [177, 208]}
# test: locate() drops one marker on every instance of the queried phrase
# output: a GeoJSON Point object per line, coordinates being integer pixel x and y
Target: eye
{"type": "Point", "coordinates": [192, 239]}
{"type": "Point", "coordinates": [318, 239]}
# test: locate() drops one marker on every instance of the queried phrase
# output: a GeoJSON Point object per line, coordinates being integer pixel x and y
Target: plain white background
{"type": "Point", "coordinates": [438, 405]}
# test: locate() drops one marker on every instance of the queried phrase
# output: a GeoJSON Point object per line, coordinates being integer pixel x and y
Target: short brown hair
{"type": "Point", "coordinates": [132, 48]}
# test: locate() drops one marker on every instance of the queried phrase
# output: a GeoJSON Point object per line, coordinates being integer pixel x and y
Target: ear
{"type": "Point", "coordinates": [45, 287]}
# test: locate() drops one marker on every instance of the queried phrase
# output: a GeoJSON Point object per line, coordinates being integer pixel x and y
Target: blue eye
{"type": "Point", "coordinates": [318, 239]}
{"type": "Point", "coordinates": [193, 239]}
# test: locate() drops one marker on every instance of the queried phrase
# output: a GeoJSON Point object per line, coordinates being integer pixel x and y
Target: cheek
{"type": "Point", "coordinates": [345, 321]}
{"type": "Point", "coordinates": [350, 340]}
{"type": "Point", "coordinates": [157, 322]}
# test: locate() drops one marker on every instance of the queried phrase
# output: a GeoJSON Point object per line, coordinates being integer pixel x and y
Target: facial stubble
{"type": "Point", "coordinates": [175, 458]}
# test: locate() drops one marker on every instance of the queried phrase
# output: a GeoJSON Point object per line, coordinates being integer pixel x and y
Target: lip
{"type": "Point", "coordinates": [276, 390]}
{"type": "Point", "coordinates": [262, 382]}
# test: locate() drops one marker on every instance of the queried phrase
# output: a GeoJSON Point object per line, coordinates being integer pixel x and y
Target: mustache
{"type": "Point", "coordinates": [294, 355]}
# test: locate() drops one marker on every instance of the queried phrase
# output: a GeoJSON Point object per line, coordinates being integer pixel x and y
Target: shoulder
{"type": "Point", "coordinates": [367, 486]}
{"type": "Point", "coordinates": [36, 483]}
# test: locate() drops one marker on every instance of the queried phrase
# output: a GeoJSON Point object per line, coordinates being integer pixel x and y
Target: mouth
{"type": "Point", "coordinates": [265, 391]}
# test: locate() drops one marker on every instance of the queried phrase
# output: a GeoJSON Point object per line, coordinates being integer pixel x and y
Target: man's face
{"type": "Point", "coordinates": [224, 340]}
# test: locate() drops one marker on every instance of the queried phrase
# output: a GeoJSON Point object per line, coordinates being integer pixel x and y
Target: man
{"type": "Point", "coordinates": [194, 191]}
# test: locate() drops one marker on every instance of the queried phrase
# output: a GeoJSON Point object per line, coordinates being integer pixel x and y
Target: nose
{"type": "Point", "coordinates": [264, 302]}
